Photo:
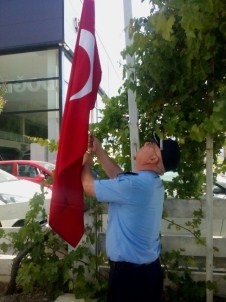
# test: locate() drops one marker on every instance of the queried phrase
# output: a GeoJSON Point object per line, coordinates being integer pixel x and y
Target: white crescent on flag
{"type": "Point", "coordinates": [87, 42]}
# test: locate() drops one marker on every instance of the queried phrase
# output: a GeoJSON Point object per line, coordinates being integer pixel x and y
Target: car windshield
{"type": "Point", "coordinates": [48, 166]}
{"type": "Point", "coordinates": [4, 176]}
{"type": "Point", "coordinates": [221, 180]}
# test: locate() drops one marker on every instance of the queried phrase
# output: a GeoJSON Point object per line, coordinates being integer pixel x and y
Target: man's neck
{"type": "Point", "coordinates": [155, 169]}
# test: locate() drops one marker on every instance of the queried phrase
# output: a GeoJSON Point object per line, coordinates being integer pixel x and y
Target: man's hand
{"type": "Point", "coordinates": [108, 164]}
{"type": "Point", "coordinates": [94, 144]}
{"type": "Point", "coordinates": [87, 159]}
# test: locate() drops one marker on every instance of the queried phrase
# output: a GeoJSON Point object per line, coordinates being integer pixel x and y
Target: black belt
{"type": "Point", "coordinates": [128, 265]}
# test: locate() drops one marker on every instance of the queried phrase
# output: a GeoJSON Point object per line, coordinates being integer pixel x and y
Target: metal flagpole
{"type": "Point", "coordinates": [133, 114]}
{"type": "Point", "coordinates": [209, 215]}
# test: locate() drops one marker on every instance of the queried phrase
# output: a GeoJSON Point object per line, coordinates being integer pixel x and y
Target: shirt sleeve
{"type": "Point", "coordinates": [116, 190]}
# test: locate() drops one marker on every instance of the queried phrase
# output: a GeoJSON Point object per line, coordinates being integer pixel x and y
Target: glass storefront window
{"type": "Point", "coordinates": [29, 65]}
{"type": "Point", "coordinates": [32, 108]}
{"type": "Point", "coordinates": [32, 95]}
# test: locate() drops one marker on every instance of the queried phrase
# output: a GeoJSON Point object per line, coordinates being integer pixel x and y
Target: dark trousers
{"type": "Point", "coordinates": [135, 283]}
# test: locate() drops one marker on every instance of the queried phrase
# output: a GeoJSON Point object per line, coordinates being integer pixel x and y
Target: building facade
{"type": "Point", "coordinates": [37, 40]}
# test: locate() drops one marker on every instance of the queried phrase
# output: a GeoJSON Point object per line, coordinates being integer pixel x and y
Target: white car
{"type": "Point", "coordinates": [14, 190]}
{"type": "Point", "coordinates": [219, 188]}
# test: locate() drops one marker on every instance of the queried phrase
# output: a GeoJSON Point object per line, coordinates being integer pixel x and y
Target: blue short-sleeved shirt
{"type": "Point", "coordinates": [134, 215]}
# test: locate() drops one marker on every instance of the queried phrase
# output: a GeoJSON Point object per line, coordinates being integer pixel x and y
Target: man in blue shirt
{"type": "Point", "coordinates": [134, 217]}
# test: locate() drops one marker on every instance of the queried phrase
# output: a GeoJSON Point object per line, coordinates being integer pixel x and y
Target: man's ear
{"type": "Point", "coordinates": [153, 160]}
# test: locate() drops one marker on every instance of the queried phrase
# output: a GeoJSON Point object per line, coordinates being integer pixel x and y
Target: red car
{"type": "Point", "coordinates": [36, 171]}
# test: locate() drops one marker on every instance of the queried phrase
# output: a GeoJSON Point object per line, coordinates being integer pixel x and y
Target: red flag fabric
{"type": "Point", "coordinates": [66, 208]}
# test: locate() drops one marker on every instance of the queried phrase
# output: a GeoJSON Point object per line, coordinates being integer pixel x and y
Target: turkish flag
{"type": "Point", "coordinates": [67, 207]}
